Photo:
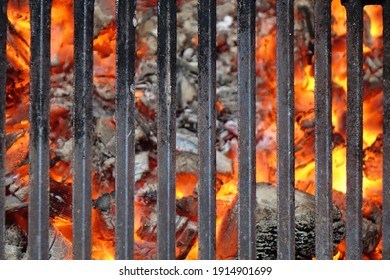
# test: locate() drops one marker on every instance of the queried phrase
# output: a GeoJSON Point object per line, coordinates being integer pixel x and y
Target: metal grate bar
{"type": "Point", "coordinates": [206, 129]}
{"type": "Point", "coordinates": [82, 127]}
{"type": "Point", "coordinates": [285, 128]}
{"type": "Point", "coordinates": [166, 61]}
{"type": "Point", "coordinates": [386, 132]}
{"type": "Point", "coordinates": [354, 128]}
{"type": "Point", "coordinates": [3, 72]}
{"type": "Point", "coordinates": [39, 157]}
{"type": "Point", "coordinates": [323, 130]}
{"type": "Point", "coordinates": [125, 127]}
{"type": "Point", "coordinates": [246, 21]}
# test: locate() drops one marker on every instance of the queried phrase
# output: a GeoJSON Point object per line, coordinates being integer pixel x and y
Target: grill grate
{"type": "Point", "coordinates": [83, 132]}
{"type": "Point", "coordinates": [386, 131]}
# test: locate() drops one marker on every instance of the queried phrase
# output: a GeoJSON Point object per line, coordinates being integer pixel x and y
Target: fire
{"type": "Point", "coordinates": [104, 76]}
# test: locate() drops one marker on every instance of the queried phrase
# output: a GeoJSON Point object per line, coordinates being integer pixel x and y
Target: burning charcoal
{"type": "Point", "coordinates": [148, 229]}
{"type": "Point", "coordinates": [372, 160]}
{"type": "Point", "coordinates": [147, 194]}
{"type": "Point", "coordinates": [337, 140]}
{"type": "Point", "coordinates": [371, 224]}
{"type": "Point", "coordinates": [266, 226]}
{"type": "Point", "coordinates": [17, 154]}
{"type": "Point", "coordinates": [60, 247]}
{"type": "Point", "coordinates": [22, 193]}
{"type": "Point", "coordinates": [186, 233]}
{"type": "Point", "coordinates": [64, 150]}
{"type": "Point", "coordinates": [11, 137]}
{"type": "Point", "coordinates": [105, 131]}
{"type": "Point", "coordinates": [104, 202]}
{"type": "Point", "coordinates": [304, 144]}
{"type": "Point", "coordinates": [186, 162]}
{"type": "Point", "coordinates": [187, 156]}
{"type": "Point", "coordinates": [12, 203]}
{"type": "Point", "coordinates": [371, 231]}
{"type": "Point", "coordinates": [60, 198]}
{"type": "Point", "coordinates": [106, 205]}
{"type": "Point", "coordinates": [188, 206]}
{"type": "Point", "coordinates": [186, 239]}
{"type": "Point", "coordinates": [15, 243]}
{"type": "Point", "coordinates": [145, 250]}
{"type": "Point", "coordinates": [104, 14]}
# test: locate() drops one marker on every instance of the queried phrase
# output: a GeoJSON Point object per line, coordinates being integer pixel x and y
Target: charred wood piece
{"type": "Point", "coordinates": [266, 226]}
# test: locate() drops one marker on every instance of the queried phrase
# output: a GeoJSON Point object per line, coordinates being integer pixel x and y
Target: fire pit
{"type": "Point", "coordinates": [194, 130]}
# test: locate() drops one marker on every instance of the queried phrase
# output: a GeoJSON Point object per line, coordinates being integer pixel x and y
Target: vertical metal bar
{"type": "Point", "coordinates": [246, 21]}
{"type": "Point", "coordinates": [3, 75]}
{"type": "Point", "coordinates": [285, 128]}
{"type": "Point", "coordinates": [125, 106]}
{"type": "Point", "coordinates": [354, 128]}
{"type": "Point", "coordinates": [82, 129]}
{"type": "Point", "coordinates": [166, 61]}
{"type": "Point", "coordinates": [386, 132]}
{"type": "Point", "coordinates": [38, 217]}
{"type": "Point", "coordinates": [206, 129]}
{"type": "Point", "coordinates": [323, 130]}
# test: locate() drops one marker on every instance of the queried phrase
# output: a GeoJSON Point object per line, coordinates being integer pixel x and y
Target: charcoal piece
{"type": "Point", "coordinates": [104, 202]}
{"type": "Point", "coordinates": [266, 226]}
{"type": "Point", "coordinates": [60, 247]}
{"type": "Point", "coordinates": [186, 239]}
{"type": "Point", "coordinates": [371, 222]}
{"type": "Point", "coordinates": [186, 233]}
{"type": "Point", "coordinates": [145, 250]}
{"type": "Point", "coordinates": [15, 243]}
{"type": "Point", "coordinates": [372, 160]}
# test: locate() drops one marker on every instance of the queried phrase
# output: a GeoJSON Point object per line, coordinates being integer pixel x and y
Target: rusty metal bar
{"type": "Point", "coordinates": [386, 132]}
{"type": "Point", "coordinates": [166, 135]}
{"type": "Point", "coordinates": [285, 128]}
{"type": "Point", "coordinates": [206, 129]}
{"type": "Point", "coordinates": [354, 213]}
{"type": "Point", "coordinates": [82, 129]}
{"type": "Point", "coordinates": [125, 128]}
{"type": "Point", "coordinates": [246, 21]}
{"type": "Point", "coordinates": [39, 157]}
{"type": "Point", "coordinates": [3, 80]}
{"type": "Point", "coordinates": [323, 130]}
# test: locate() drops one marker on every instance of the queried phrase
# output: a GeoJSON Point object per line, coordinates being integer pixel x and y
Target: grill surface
{"type": "Point", "coordinates": [82, 115]}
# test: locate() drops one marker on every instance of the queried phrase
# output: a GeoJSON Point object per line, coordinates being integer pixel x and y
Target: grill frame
{"type": "Point", "coordinates": [82, 115]}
